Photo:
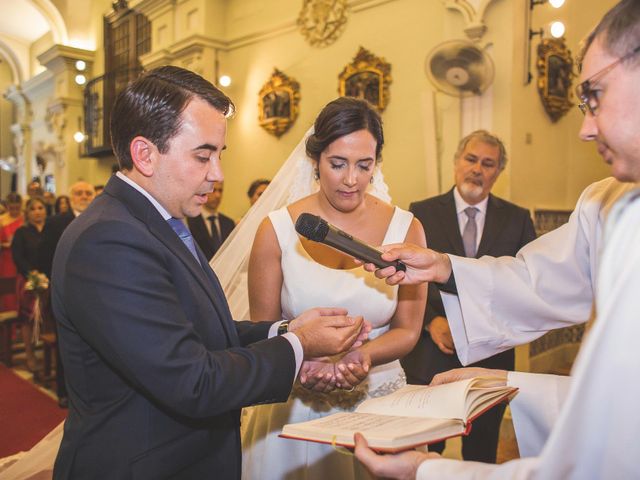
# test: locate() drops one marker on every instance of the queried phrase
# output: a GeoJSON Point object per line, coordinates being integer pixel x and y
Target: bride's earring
{"type": "Point", "coordinates": [316, 175]}
{"type": "Point", "coordinates": [371, 180]}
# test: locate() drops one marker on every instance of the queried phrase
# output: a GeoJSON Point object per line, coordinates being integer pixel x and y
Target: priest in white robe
{"type": "Point", "coordinates": [594, 432]}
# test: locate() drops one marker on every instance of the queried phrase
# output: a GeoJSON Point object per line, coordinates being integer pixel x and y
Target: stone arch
{"type": "Point", "coordinates": [10, 57]}
{"type": "Point", "coordinates": [54, 19]}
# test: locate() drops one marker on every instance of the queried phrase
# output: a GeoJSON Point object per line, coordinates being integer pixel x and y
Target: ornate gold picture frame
{"type": "Point", "coordinates": [555, 75]}
{"type": "Point", "coordinates": [278, 103]}
{"type": "Point", "coordinates": [367, 77]}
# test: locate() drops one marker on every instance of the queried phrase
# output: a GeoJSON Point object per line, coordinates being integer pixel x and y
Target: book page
{"type": "Point", "coordinates": [441, 401]}
{"type": "Point", "coordinates": [380, 430]}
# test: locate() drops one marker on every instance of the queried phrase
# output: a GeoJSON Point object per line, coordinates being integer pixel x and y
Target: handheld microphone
{"type": "Point", "coordinates": [319, 230]}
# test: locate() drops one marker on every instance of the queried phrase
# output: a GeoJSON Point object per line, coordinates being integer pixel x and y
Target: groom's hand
{"type": "Point", "coordinates": [326, 331]}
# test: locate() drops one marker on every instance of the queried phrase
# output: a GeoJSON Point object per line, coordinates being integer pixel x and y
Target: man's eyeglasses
{"type": "Point", "coordinates": [589, 97]}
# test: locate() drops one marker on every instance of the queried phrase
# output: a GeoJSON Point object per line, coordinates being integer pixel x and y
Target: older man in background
{"type": "Point", "coordinates": [468, 221]}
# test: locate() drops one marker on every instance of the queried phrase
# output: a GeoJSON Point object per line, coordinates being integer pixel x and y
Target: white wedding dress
{"type": "Point", "coordinates": [308, 284]}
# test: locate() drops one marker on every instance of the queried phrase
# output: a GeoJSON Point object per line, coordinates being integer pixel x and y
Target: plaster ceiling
{"type": "Point", "coordinates": [19, 19]}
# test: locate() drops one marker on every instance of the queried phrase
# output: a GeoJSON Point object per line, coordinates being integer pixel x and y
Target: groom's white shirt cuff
{"type": "Point", "coordinates": [295, 344]}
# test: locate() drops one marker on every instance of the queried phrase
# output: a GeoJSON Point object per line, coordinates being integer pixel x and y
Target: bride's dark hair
{"type": "Point", "coordinates": [341, 117]}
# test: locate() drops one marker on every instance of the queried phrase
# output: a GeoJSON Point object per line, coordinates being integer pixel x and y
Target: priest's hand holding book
{"type": "Point", "coordinates": [404, 465]}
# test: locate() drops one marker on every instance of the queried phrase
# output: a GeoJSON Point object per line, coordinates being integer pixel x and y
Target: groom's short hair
{"type": "Point", "coordinates": [151, 106]}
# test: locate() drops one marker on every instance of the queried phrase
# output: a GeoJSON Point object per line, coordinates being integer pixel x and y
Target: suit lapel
{"type": "Point", "coordinates": [141, 208]}
{"type": "Point", "coordinates": [449, 221]}
{"type": "Point", "coordinates": [493, 225]}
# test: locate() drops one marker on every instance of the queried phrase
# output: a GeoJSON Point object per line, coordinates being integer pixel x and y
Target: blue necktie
{"type": "Point", "coordinates": [185, 235]}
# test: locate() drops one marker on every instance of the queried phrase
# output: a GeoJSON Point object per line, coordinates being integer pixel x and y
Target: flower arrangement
{"type": "Point", "coordinates": [36, 282]}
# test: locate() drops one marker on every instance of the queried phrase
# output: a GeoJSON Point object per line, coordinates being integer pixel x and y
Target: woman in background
{"type": "Point", "coordinates": [9, 223]}
{"type": "Point", "coordinates": [24, 248]}
{"type": "Point", "coordinates": [287, 274]}
{"type": "Point", "coordinates": [62, 204]}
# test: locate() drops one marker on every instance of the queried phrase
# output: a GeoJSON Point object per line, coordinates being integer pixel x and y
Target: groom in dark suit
{"type": "Point", "coordinates": [467, 221]}
{"type": "Point", "coordinates": [157, 370]}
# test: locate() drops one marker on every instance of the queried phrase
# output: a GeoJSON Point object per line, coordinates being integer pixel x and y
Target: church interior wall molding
{"type": "Point", "coordinates": [54, 19]}
{"type": "Point", "coordinates": [473, 16]}
{"type": "Point", "coordinates": [11, 58]}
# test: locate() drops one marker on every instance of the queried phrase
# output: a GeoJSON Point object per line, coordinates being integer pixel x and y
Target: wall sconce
{"type": "Point", "coordinates": [79, 136]}
{"type": "Point", "coordinates": [224, 80]}
{"type": "Point", "coordinates": [556, 29]}
{"type": "Point", "coordinates": [80, 77]}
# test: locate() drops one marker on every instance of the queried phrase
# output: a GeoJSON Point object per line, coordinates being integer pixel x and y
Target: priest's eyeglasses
{"type": "Point", "coordinates": [589, 95]}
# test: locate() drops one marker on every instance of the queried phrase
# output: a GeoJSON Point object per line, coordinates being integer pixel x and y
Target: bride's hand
{"type": "Point", "coordinates": [318, 375]}
{"type": "Point", "coordinates": [352, 369]}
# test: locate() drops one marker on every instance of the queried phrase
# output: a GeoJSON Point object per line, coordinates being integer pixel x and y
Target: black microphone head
{"type": "Point", "coordinates": [312, 227]}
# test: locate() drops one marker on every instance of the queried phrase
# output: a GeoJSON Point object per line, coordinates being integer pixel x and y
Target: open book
{"type": "Point", "coordinates": [412, 416]}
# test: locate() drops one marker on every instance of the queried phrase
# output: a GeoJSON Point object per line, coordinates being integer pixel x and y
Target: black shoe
{"type": "Point", "coordinates": [63, 402]}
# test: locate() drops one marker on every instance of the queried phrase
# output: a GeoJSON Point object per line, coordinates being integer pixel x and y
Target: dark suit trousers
{"type": "Point", "coordinates": [481, 444]}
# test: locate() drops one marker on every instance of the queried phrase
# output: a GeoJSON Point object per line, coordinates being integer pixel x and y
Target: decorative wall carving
{"type": "Point", "coordinates": [278, 103]}
{"type": "Point", "coordinates": [473, 16]}
{"type": "Point", "coordinates": [555, 73]}
{"type": "Point", "coordinates": [367, 77]}
{"type": "Point", "coordinates": [322, 21]}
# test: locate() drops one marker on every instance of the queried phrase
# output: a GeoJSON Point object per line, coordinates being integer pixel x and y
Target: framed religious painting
{"type": "Point", "coordinates": [367, 77]}
{"type": "Point", "coordinates": [278, 103]}
{"type": "Point", "coordinates": [555, 75]}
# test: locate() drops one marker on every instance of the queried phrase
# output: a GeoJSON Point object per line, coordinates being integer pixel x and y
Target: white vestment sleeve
{"type": "Point", "coordinates": [508, 301]}
{"type": "Point", "coordinates": [446, 469]}
{"type": "Point", "coordinates": [596, 434]}
{"type": "Point", "coordinates": [536, 408]}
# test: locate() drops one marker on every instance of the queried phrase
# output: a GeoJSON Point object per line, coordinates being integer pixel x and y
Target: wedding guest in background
{"type": "Point", "coordinates": [583, 408]}
{"type": "Point", "coordinates": [9, 223]}
{"type": "Point", "coordinates": [211, 228]}
{"type": "Point", "coordinates": [50, 202]}
{"type": "Point", "coordinates": [256, 189]}
{"type": "Point", "coordinates": [34, 189]}
{"type": "Point", "coordinates": [467, 221]}
{"type": "Point", "coordinates": [24, 248]}
{"type": "Point", "coordinates": [62, 204]}
{"type": "Point", "coordinates": [288, 273]}
{"type": "Point", "coordinates": [81, 194]}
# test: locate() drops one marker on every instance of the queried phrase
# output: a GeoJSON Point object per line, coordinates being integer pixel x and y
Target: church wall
{"type": "Point", "coordinates": [548, 165]}
{"type": "Point", "coordinates": [551, 165]}
{"type": "Point", "coordinates": [401, 31]}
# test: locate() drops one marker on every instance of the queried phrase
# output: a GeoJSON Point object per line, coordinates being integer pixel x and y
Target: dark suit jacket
{"type": "Point", "coordinates": [205, 241]}
{"type": "Point", "coordinates": [157, 369]}
{"type": "Point", "coordinates": [51, 234]}
{"type": "Point", "coordinates": [507, 228]}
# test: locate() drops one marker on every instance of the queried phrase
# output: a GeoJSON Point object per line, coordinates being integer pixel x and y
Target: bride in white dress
{"type": "Point", "coordinates": [288, 274]}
